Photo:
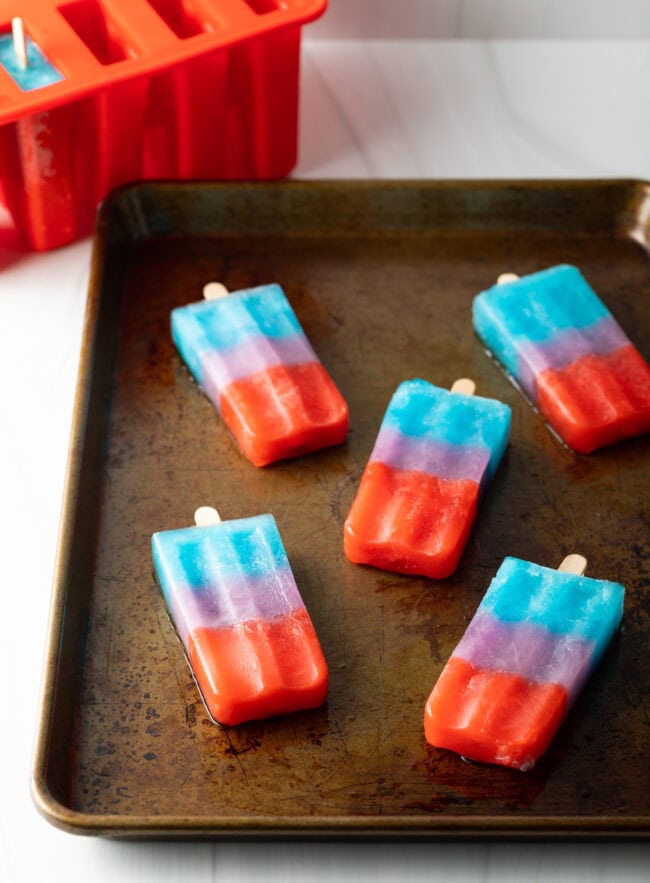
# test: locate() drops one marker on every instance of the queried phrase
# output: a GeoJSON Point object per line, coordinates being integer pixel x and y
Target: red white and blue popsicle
{"type": "Point", "coordinates": [560, 344]}
{"type": "Point", "coordinates": [251, 357]}
{"type": "Point", "coordinates": [234, 602]}
{"type": "Point", "coordinates": [23, 60]}
{"type": "Point", "coordinates": [524, 658]}
{"type": "Point", "coordinates": [419, 492]}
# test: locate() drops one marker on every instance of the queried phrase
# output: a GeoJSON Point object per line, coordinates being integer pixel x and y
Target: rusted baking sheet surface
{"type": "Point", "coordinates": [382, 277]}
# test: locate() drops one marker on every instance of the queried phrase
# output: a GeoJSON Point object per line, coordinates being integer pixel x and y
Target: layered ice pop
{"type": "Point", "coordinates": [251, 357]}
{"type": "Point", "coordinates": [559, 343]}
{"type": "Point", "coordinates": [533, 642]}
{"type": "Point", "coordinates": [233, 599]}
{"type": "Point", "coordinates": [418, 494]}
{"type": "Point", "coordinates": [23, 60]}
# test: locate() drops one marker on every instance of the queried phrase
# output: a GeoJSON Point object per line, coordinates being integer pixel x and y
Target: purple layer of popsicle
{"type": "Point", "coordinates": [601, 338]}
{"type": "Point", "coordinates": [435, 457]}
{"type": "Point", "coordinates": [527, 650]}
{"type": "Point", "coordinates": [221, 367]}
{"type": "Point", "coordinates": [239, 599]}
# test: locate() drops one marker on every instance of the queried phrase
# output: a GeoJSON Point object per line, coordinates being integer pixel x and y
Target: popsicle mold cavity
{"type": "Point", "coordinates": [233, 599]}
{"type": "Point", "coordinates": [418, 495]}
{"type": "Point", "coordinates": [524, 658]}
{"type": "Point", "coordinates": [37, 74]}
{"type": "Point", "coordinates": [561, 345]}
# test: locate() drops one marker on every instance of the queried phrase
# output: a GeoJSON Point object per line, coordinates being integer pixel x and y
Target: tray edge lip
{"type": "Point", "coordinates": [569, 827]}
{"type": "Point", "coordinates": [627, 184]}
{"type": "Point", "coordinates": [507, 827]}
{"type": "Point", "coordinates": [550, 183]}
{"type": "Point", "coordinates": [41, 795]}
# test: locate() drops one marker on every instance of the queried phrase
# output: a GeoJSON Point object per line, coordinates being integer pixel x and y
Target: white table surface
{"type": "Point", "coordinates": [448, 109]}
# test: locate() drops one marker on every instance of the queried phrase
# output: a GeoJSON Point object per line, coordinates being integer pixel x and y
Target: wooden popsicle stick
{"type": "Point", "coordinates": [463, 386]}
{"type": "Point", "coordinates": [574, 564]}
{"type": "Point", "coordinates": [205, 516]}
{"type": "Point", "coordinates": [20, 41]}
{"type": "Point", "coordinates": [507, 277]}
{"type": "Point", "coordinates": [215, 291]}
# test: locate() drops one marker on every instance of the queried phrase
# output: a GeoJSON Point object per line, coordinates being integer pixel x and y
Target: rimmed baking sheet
{"type": "Point", "coordinates": [381, 275]}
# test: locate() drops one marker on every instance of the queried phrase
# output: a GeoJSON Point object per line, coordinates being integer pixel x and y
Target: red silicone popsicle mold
{"type": "Point", "coordinates": [181, 89]}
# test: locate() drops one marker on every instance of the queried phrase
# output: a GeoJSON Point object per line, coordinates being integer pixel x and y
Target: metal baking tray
{"type": "Point", "coordinates": [382, 276]}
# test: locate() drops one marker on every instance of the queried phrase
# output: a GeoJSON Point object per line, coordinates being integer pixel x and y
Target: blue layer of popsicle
{"type": "Point", "coordinates": [563, 603]}
{"type": "Point", "coordinates": [219, 575]}
{"type": "Point", "coordinates": [191, 555]}
{"type": "Point", "coordinates": [424, 412]}
{"type": "Point", "coordinates": [221, 325]}
{"type": "Point", "coordinates": [38, 73]}
{"type": "Point", "coordinates": [536, 313]}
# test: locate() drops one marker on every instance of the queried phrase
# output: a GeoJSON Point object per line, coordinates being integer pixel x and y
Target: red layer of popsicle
{"type": "Point", "coordinates": [259, 668]}
{"type": "Point", "coordinates": [598, 399]}
{"type": "Point", "coordinates": [520, 716]}
{"type": "Point", "coordinates": [285, 411]}
{"type": "Point", "coordinates": [407, 520]}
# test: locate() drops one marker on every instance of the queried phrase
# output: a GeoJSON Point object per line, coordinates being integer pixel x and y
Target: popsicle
{"type": "Point", "coordinates": [419, 492]}
{"type": "Point", "coordinates": [525, 656]}
{"type": "Point", "coordinates": [251, 357]}
{"type": "Point", "coordinates": [24, 61]}
{"type": "Point", "coordinates": [560, 344]}
{"type": "Point", "coordinates": [232, 597]}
